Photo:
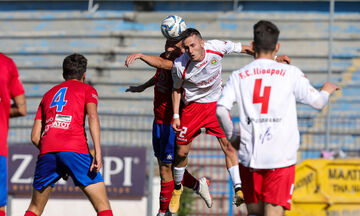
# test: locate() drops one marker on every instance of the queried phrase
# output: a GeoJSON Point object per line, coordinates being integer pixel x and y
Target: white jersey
{"type": "Point", "coordinates": [266, 93]}
{"type": "Point", "coordinates": [201, 81]}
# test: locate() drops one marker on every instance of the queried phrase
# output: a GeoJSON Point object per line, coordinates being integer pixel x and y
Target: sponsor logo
{"type": "Point", "coordinates": [181, 139]}
{"type": "Point", "coordinates": [60, 124]}
{"type": "Point", "coordinates": [169, 157]}
{"type": "Point", "coordinates": [95, 96]}
{"type": "Point", "coordinates": [64, 118]}
{"type": "Point", "coordinates": [202, 64]}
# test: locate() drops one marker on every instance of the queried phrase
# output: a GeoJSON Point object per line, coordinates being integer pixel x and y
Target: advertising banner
{"type": "Point", "coordinates": [124, 172]}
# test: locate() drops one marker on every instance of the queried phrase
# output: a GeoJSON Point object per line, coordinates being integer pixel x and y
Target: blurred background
{"type": "Point", "coordinates": [321, 37]}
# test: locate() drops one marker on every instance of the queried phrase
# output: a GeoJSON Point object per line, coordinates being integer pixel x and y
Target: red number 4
{"type": "Point", "coordinates": [264, 100]}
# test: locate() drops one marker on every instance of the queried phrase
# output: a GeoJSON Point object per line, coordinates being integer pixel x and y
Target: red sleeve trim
{"type": "Point", "coordinates": [215, 52]}
{"type": "Point", "coordinates": [186, 67]}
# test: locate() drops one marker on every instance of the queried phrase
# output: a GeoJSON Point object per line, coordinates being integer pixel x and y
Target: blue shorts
{"type": "Point", "coordinates": [164, 142]}
{"type": "Point", "coordinates": [52, 166]}
{"type": "Point", "coordinates": [3, 181]}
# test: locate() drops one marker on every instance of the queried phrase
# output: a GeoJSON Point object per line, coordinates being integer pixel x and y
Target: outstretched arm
{"type": "Point", "coordinates": [153, 61]}
{"type": "Point", "coordinates": [142, 87]}
{"type": "Point", "coordinates": [19, 106]}
{"type": "Point", "coordinates": [94, 125]}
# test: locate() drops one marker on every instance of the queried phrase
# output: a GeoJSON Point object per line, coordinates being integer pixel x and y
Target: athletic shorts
{"type": "Point", "coordinates": [50, 167]}
{"type": "Point", "coordinates": [195, 116]}
{"type": "Point", "coordinates": [163, 142]}
{"type": "Point", "coordinates": [3, 180]}
{"type": "Point", "coordinates": [273, 186]}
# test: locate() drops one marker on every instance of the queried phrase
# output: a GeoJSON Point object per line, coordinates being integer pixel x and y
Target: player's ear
{"type": "Point", "coordinates": [83, 77]}
{"type": "Point", "coordinates": [202, 43]}
{"type": "Point", "coordinates": [277, 47]}
{"type": "Point", "coordinates": [252, 45]}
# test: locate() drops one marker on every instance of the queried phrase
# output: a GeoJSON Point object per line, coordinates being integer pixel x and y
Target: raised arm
{"type": "Point", "coordinates": [94, 125]}
{"type": "Point", "coordinates": [153, 61]}
{"type": "Point", "coordinates": [18, 108]}
{"type": "Point", "coordinates": [142, 87]}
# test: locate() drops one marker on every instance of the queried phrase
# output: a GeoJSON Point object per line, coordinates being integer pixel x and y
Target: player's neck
{"type": "Point", "coordinates": [81, 80]}
{"type": "Point", "coordinates": [267, 55]}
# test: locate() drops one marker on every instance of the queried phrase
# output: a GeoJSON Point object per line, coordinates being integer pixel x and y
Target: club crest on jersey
{"type": "Point", "coordinates": [213, 61]}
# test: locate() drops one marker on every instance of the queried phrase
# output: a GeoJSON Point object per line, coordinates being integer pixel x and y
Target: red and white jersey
{"type": "Point", "coordinates": [266, 93]}
{"type": "Point", "coordinates": [201, 81]}
{"type": "Point", "coordinates": [62, 111]}
{"type": "Point", "coordinates": [10, 87]}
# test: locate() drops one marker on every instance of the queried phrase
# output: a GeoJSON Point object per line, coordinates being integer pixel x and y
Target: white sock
{"type": "Point", "coordinates": [178, 174]}
{"type": "Point", "coordinates": [235, 175]}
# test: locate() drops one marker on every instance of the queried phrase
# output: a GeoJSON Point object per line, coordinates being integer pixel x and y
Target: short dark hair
{"type": "Point", "coordinates": [74, 66]}
{"type": "Point", "coordinates": [266, 36]}
{"type": "Point", "coordinates": [190, 32]}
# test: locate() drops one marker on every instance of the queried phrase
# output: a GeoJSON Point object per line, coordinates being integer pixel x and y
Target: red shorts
{"type": "Point", "coordinates": [273, 186]}
{"type": "Point", "coordinates": [195, 116]}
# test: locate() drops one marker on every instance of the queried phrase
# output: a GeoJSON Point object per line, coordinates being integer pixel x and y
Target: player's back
{"type": "Point", "coordinates": [267, 109]}
{"type": "Point", "coordinates": [63, 110]}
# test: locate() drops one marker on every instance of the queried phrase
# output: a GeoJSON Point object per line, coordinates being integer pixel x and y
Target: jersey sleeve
{"type": "Point", "coordinates": [226, 47]}
{"type": "Point", "coordinates": [228, 96]}
{"type": "Point", "coordinates": [39, 112]}
{"type": "Point", "coordinates": [177, 74]}
{"type": "Point", "coordinates": [16, 87]}
{"type": "Point", "coordinates": [304, 92]}
{"type": "Point", "coordinates": [91, 96]}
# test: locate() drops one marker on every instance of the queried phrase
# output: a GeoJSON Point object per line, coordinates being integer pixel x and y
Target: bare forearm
{"type": "Point", "coordinates": [157, 62]}
{"type": "Point", "coordinates": [36, 133]}
{"type": "Point", "coordinates": [94, 125]}
{"type": "Point", "coordinates": [149, 83]}
{"type": "Point", "coordinates": [176, 97]}
{"type": "Point", "coordinates": [19, 107]}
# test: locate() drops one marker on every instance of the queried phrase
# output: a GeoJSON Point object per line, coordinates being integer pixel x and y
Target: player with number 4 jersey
{"type": "Point", "coordinates": [266, 93]}
{"type": "Point", "coordinates": [59, 133]}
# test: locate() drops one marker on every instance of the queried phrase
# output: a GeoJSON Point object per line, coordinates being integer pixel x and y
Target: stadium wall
{"type": "Point", "coordinates": [184, 5]}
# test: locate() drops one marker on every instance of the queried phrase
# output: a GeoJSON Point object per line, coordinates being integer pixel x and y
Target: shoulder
{"type": "Point", "coordinates": [182, 61]}
{"type": "Point", "coordinates": [7, 60]}
{"type": "Point", "coordinates": [4, 57]}
{"type": "Point", "coordinates": [215, 43]}
{"type": "Point", "coordinates": [88, 87]}
{"type": "Point", "coordinates": [293, 69]}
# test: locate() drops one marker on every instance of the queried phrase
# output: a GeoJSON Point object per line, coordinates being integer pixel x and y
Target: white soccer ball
{"type": "Point", "coordinates": [172, 26]}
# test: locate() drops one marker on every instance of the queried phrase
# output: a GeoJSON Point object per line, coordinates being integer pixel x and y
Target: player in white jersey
{"type": "Point", "coordinates": [197, 79]}
{"type": "Point", "coordinates": [266, 93]}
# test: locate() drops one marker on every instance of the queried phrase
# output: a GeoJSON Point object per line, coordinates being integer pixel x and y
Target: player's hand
{"type": "Point", "coordinates": [247, 50]}
{"type": "Point", "coordinates": [176, 125]}
{"type": "Point", "coordinates": [139, 88]}
{"type": "Point", "coordinates": [96, 164]}
{"type": "Point", "coordinates": [283, 59]}
{"type": "Point", "coordinates": [330, 87]}
{"type": "Point", "coordinates": [131, 58]}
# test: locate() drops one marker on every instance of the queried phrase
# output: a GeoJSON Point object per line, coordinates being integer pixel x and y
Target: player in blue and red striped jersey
{"type": "Point", "coordinates": [11, 88]}
{"type": "Point", "coordinates": [59, 133]}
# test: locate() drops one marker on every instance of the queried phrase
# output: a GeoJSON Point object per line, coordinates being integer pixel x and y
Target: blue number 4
{"type": "Point", "coordinates": [59, 100]}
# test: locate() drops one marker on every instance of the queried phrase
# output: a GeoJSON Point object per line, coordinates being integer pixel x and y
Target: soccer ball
{"type": "Point", "coordinates": [172, 26]}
